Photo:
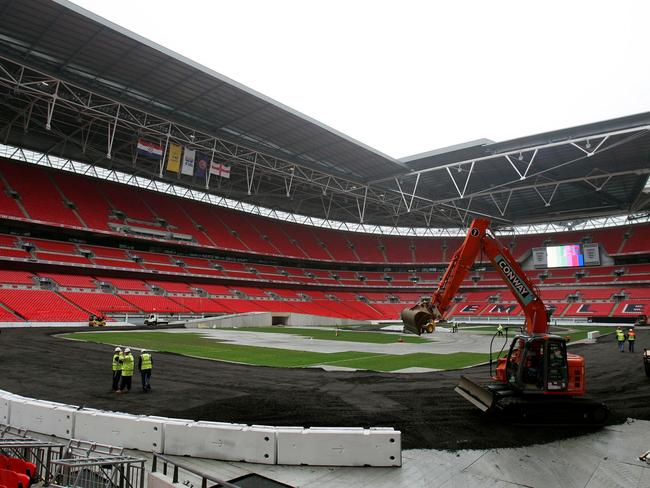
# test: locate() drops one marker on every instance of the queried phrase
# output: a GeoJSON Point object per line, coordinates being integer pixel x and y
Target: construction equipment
{"type": "Point", "coordinates": [641, 320]}
{"type": "Point", "coordinates": [537, 381]}
{"type": "Point", "coordinates": [96, 321]}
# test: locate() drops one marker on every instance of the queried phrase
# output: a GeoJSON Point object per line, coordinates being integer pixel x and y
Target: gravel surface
{"type": "Point", "coordinates": [423, 406]}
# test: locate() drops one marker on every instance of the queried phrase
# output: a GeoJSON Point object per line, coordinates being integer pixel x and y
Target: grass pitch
{"type": "Point", "coordinates": [196, 345]}
{"type": "Point", "coordinates": [344, 335]}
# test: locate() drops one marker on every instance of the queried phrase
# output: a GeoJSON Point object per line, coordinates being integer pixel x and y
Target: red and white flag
{"type": "Point", "coordinates": [219, 169]}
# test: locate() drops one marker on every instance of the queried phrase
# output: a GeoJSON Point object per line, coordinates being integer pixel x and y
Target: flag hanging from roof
{"type": "Point", "coordinates": [201, 166]}
{"type": "Point", "coordinates": [188, 162]}
{"type": "Point", "coordinates": [220, 169]}
{"type": "Point", "coordinates": [149, 149]}
{"type": "Point", "coordinates": [174, 155]}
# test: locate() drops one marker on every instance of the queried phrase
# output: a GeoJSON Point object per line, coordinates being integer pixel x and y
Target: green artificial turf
{"type": "Point", "coordinates": [194, 344]}
{"type": "Point", "coordinates": [344, 335]}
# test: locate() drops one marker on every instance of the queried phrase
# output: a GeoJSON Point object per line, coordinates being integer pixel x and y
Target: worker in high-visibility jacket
{"type": "Point", "coordinates": [500, 330]}
{"type": "Point", "coordinates": [145, 365]}
{"type": "Point", "coordinates": [117, 367]}
{"type": "Point", "coordinates": [620, 338]}
{"type": "Point", "coordinates": [631, 339]}
{"type": "Point", "coordinates": [127, 371]}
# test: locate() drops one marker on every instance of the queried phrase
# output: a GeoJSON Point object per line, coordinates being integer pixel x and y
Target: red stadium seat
{"type": "Point", "coordinates": [22, 467]}
{"type": "Point", "coordinates": [11, 479]}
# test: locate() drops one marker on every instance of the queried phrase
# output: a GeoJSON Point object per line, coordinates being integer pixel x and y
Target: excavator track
{"type": "Point", "coordinates": [532, 409]}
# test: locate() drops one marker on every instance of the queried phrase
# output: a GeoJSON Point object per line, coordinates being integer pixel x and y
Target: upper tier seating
{"type": "Point", "coordinates": [247, 233]}
{"type": "Point", "coordinates": [8, 205]}
{"type": "Point", "coordinates": [94, 203]}
{"type": "Point", "coordinates": [306, 239]}
{"type": "Point", "coordinates": [336, 244]}
{"type": "Point", "coordinates": [171, 212]}
{"type": "Point", "coordinates": [398, 250]}
{"type": "Point", "coordinates": [85, 194]}
{"type": "Point", "coordinates": [39, 195]}
{"type": "Point", "coordinates": [278, 238]}
{"type": "Point", "coordinates": [638, 240]}
{"type": "Point", "coordinates": [367, 247]}
{"type": "Point", "coordinates": [428, 250]}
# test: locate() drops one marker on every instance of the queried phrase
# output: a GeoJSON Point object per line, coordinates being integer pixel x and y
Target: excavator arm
{"type": "Point", "coordinates": [478, 239]}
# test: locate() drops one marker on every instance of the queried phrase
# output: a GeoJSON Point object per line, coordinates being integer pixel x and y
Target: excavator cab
{"type": "Point", "coordinates": [537, 363]}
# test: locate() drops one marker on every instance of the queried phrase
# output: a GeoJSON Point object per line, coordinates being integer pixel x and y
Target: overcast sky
{"type": "Point", "coordinates": [407, 77]}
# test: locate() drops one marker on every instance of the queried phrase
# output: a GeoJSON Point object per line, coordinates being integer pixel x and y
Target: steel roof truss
{"type": "Point", "coordinates": [502, 211]}
{"type": "Point", "coordinates": [459, 168]}
{"type": "Point", "coordinates": [522, 176]}
{"type": "Point", "coordinates": [547, 202]}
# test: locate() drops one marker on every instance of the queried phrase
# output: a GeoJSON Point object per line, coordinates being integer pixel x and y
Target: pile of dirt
{"type": "Point", "coordinates": [424, 407]}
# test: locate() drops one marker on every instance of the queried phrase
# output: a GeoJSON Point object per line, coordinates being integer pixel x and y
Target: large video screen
{"type": "Point", "coordinates": [564, 256]}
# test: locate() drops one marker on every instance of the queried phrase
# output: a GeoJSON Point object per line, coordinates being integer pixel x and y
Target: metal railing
{"type": "Point", "coordinates": [99, 472]}
{"type": "Point", "coordinates": [15, 443]}
{"type": "Point", "coordinates": [177, 466]}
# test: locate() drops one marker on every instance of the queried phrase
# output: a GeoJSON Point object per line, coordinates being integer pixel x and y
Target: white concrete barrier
{"type": "Point", "coordinates": [5, 404]}
{"type": "Point", "coordinates": [48, 418]}
{"type": "Point", "coordinates": [339, 446]}
{"type": "Point", "coordinates": [215, 440]}
{"type": "Point", "coordinates": [119, 429]}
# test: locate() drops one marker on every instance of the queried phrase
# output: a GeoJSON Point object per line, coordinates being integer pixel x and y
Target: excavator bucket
{"type": "Point", "coordinates": [415, 318]}
{"type": "Point", "coordinates": [475, 394]}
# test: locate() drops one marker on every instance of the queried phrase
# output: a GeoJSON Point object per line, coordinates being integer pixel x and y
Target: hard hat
{"type": "Point", "coordinates": [118, 349]}
{"type": "Point", "coordinates": [127, 350]}
{"type": "Point", "coordinates": [631, 330]}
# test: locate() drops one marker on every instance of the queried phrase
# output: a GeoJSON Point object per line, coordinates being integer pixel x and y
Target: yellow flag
{"type": "Point", "coordinates": [174, 157]}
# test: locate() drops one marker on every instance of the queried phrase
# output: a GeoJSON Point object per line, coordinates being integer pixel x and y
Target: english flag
{"type": "Point", "coordinates": [149, 149]}
{"type": "Point", "coordinates": [218, 169]}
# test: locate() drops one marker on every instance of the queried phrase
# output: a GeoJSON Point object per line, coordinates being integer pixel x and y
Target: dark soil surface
{"type": "Point", "coordinates": [424, 407]}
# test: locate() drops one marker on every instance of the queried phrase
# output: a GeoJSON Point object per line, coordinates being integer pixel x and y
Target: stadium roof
{"type": "Point", "coordinates": [77, 86]}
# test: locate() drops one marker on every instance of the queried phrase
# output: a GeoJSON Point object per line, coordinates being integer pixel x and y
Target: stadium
{"type": "Point", "coordinates": [265, 258]}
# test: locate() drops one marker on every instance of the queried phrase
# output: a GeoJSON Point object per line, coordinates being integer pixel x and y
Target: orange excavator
{"type": "Point", "coordinates": [538, 381]}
